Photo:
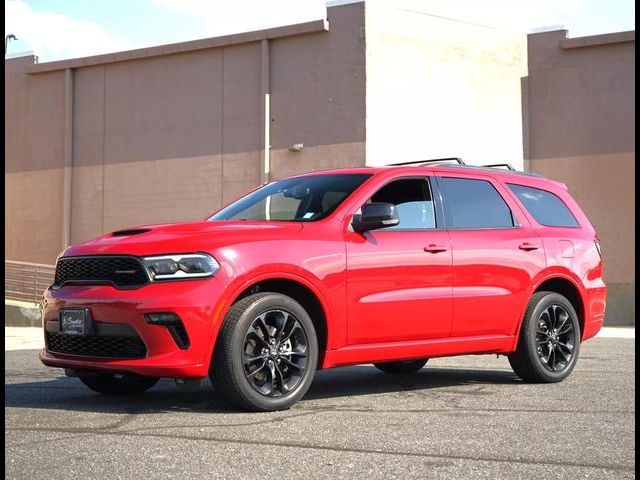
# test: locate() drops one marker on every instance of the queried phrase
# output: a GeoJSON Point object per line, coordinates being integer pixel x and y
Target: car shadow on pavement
{"type": "Point", "coordinates": [367, 380]}
{"type": "Point", "coordinates": [64, 393]}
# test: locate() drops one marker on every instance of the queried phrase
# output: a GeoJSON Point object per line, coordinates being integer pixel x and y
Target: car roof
{"type": "Point", "coordinates": [502, 175]}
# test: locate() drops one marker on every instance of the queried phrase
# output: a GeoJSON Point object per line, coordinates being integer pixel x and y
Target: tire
{"type": "Point", "coordinates": [543, 356]}
{"type": "Point", "coordinates": [119, 384]}
{"type": "Point", "coordinates": [253, 374]}
{"type": "Point", "coordinates": [402, 367]}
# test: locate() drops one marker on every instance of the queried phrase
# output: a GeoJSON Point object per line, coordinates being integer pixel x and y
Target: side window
{"type": "Point", "coordinates": [545, 207]}
{"type": "Point", "coordinates": [413, 201]}
{"type": "Point", "coordinates": [471, 203]}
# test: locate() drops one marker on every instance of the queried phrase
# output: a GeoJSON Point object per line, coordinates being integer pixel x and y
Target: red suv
{"type": "Point", "coordinates": [390, 266]}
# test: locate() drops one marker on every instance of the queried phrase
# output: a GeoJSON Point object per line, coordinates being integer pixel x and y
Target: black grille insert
{"type": "Point", "coordinates": [179, 334]}
{"type": "Point", "coordinates": [96, 346]}
{"type": "Point", "coordinates": [121, 271]}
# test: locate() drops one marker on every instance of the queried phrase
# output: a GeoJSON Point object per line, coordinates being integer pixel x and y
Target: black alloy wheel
{"type": "Point", "coordinates": [275, 354]}
{"type": "Point", "coordinates": [549, 341]}
{"type": "Point", "coordinates": [266, 353]}
{"type": "Point", "coordinates": [555, 338]}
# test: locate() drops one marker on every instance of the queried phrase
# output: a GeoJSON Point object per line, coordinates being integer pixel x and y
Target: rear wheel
{"type": "Point", "coordinates": [119, 383]}
{"type": "Point", "coordinates": [404, 366]}
{"type": "Point", "coordinates": [266, 354]}
{"type": "Point", "coordinates": [549, 341]}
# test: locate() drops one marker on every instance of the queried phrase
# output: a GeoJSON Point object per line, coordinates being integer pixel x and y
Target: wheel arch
{"type": "Point", "coordinates": [569, 288]}
{"type": "Point", "coordinates": [298, 288]}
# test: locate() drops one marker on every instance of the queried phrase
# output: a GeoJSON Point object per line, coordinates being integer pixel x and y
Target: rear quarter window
{"type": "Point", "coordinates": [546, 207]}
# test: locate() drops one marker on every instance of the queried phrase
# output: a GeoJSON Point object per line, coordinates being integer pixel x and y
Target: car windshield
{"type": "Point", "coordinates": [300, 199]}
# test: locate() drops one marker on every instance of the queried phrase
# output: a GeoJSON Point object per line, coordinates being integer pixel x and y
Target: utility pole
{"type": "Point", "coordinates": [11, 36]}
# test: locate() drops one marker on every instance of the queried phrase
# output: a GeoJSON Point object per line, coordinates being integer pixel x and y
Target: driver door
{"type": "Point", "coordinates": [399, 279]}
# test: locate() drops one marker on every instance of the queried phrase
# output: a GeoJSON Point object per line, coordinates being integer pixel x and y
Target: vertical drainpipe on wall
{"type": "Point", "coordinates": [526, 125]}
{"type": "Point", "coordinates": [68, 158]}
{"type": "Point", "coordinates": [266, 121]}
{"type": "Point", "coordinates": [264, 97]}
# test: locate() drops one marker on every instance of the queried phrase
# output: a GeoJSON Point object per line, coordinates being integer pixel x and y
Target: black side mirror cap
{"type": "Point", "coordinates": [375, 216]}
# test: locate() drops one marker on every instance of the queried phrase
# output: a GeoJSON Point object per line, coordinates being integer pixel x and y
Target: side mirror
{"type": "Point", "coordinates": [374, 216]}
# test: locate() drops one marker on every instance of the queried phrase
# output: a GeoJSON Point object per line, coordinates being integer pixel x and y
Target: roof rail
{"type": "Point", "coordinates": [498, 165]}
{"type": "Point", "coordinates": [431, 160]}
{"type": "Point", "coordinates": [460, 164]}
{"type": "Point", "coordinates": [485, 168]}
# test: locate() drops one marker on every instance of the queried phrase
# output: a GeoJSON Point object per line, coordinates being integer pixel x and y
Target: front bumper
{"type": "Point", "coordinates": [194, 301]}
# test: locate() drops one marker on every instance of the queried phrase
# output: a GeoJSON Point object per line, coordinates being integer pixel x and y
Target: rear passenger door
{"type": "Point", "coordinates": [496, 253]}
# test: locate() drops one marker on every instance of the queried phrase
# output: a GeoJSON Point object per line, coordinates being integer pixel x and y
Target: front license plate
{"type": "Point", "coordinates": [75, 321]}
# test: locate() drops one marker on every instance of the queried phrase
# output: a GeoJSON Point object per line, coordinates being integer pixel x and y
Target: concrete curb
{"type": "Point", "coordinates": [23, 338]}
{"type": "Point", "coordinates": [617, 332]}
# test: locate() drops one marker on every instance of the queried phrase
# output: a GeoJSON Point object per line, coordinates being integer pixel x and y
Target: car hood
{"type": "Point", "coordinates": [182, 237]}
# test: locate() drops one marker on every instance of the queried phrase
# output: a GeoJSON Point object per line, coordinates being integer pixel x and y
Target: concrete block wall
{"type": "Point", "coordinates": [579, 99]}
{"type": "Point", "coordinates": [170, 133]}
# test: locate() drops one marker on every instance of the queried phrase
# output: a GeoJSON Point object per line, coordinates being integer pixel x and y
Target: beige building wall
{"type": "Point", "coordinates": [34, 156]}
{"type": "Point", "coordinates": [170, 133]}
{"type": "Point", "coordinates": [579, 102]}
{"type": "Point", "coordinates": [438, 87]}
{"type": "Point", "coordinates": [318, 96]}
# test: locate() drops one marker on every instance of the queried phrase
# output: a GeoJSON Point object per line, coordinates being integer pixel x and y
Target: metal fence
{"type": "Point", "coordinates": [26, 281]}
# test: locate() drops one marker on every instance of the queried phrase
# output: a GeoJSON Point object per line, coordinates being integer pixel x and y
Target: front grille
{"type": "Point", "coordinates": [121, 271]}
{"type": "Point", "coordinates": [96, 346]}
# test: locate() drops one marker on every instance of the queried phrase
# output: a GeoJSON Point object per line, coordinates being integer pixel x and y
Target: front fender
{"type": "Point", "coordinates": [278, 272]}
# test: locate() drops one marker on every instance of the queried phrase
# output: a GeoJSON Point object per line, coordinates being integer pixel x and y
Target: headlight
{"type": "Point", "coordinates": [191, 265]}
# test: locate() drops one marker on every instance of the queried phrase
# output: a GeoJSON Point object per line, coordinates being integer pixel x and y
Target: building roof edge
{"type": "Point", "coordinates": [595, 40]}
{"type": "Point", "coordinates": [315, 26]}
{"type": "Point", "coordinates": [337, 3]}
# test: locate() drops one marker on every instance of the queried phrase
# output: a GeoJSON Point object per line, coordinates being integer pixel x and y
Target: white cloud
{"type": "Point", "coordinates": [223, 16]}
{"type": "Point", "coordinates": [55, 36]}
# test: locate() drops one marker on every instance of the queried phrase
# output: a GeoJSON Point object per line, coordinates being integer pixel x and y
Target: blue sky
{"type": "Point", "coordinates": [58, 29]}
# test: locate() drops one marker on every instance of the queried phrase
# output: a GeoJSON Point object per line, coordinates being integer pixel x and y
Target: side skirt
{"type": "Point", "coordinates": [379, 352]}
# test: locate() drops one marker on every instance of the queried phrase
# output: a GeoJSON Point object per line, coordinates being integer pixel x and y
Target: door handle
{"type": "Point", "coordinates": [435, 248]}
{"type": "Point", "coordinates": [526, 246]}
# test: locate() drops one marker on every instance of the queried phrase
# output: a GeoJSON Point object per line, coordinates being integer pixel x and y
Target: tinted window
{"type": "Point", "coordinates": [474, 204]}
{"type": "Point", "coordinates": [414, 205]}
{"type": "Point", "coordinates": [301, 199]}
{"type": "Point", "coordinates": [544, 206]}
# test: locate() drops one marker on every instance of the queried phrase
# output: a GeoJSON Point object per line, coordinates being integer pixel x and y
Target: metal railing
{"type": "Point", "coordinates": [26, 282]}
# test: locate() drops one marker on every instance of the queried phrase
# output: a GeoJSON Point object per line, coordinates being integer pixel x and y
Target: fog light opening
{"type": "Point", "coordinates": [174, 325]}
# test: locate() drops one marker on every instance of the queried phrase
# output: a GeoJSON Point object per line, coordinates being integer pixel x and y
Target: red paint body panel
{"type": "Point", "coordinates": [395, 290]}
{"type": "Point", "coordinates": [492, 280]}
{"type": "Point", "coordinates": [383, 296]}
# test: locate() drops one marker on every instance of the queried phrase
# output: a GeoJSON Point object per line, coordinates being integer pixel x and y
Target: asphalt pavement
{"type": "Point", "coordinates": [458, 418]}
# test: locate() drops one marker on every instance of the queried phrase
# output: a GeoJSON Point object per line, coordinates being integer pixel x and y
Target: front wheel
{"type": "Point", "coordinates": [119, 383]}
{"type": "Point", "coordinates": [549, 341]}
{"type": "Point", "coordinates": [266, 354]}
{"type": "Point", "coordinates": [402, 367]}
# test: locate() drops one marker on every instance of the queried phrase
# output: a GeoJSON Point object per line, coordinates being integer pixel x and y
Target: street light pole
{"type": "Point", "coordinates": [11, 36]}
